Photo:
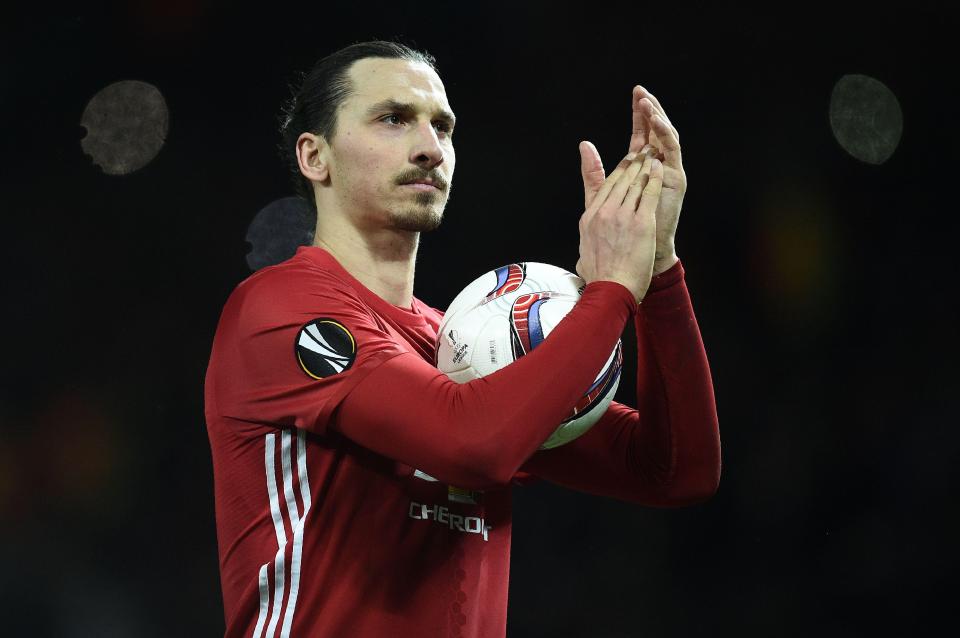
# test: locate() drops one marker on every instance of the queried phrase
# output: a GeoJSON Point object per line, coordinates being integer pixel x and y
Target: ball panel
{"type": "Point", "coordinates": [469, 297]}
{"type": "Point", "coordinates": [542, 276]}
{"type": "Point", "coordinates": [579, 426]}
{"type": "Point", "coordinates": [608, 375]}
{"type": "Point", "coordinates": [555, 309]}
{"type": "Point", "coordinates": [492, 346]}
{"type": "Point", "coordinates": [454, 346]}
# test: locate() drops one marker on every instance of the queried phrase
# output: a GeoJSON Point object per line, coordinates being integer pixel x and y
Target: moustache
{"type": "Point", "coordinates": [436, 180]}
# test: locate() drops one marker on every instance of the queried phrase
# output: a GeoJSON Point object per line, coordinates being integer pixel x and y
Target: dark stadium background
{"type": "Point", "coordinates": [823, 286]}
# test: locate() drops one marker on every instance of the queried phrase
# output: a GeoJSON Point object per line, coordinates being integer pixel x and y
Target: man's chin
{"type": "Point", "coordinates": [417, 221]}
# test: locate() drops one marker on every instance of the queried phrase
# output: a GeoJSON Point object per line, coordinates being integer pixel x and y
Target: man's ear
{"type": "Point", "coordinates": [313, 156]}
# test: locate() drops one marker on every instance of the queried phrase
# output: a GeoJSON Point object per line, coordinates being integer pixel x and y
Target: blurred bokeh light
{"type": "Point", "coordinates": [277, 230]}
{"type": "Point", "coordinates": [866, 118]}
{"type": "Point", "coordinates": [126, 125]}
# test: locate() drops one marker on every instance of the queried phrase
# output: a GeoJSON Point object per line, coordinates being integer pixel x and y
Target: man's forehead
{"type": "Point", "coordinates": [378, 79]}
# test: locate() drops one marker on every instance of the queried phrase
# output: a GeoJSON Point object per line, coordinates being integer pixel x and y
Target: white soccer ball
{"type": "Point", "coordinates": [507, 312]}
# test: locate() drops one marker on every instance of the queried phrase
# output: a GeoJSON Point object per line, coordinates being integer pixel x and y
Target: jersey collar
{"type": "Point", "coordinates": [409, 316]}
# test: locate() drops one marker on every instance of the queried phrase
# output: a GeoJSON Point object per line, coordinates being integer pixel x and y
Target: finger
{"type": "Point", "coordinates": [651, 192]}
{"type": "Point", "coordinates": [591, 169]}
{"type": "Point", "coordinates": [669, 144]}
{"type": "Point", "coordinates": [644, 93]}
{"type": "Point", "coordinates": [649, 151]}
{"type": "Point", "coordinates": [619, 190]}
{"type": "Point", "coordinates": [638, 134]}
{"type": "Point", "coordinates": [632, 198]}
{"type": "Point", "coordinates": [612, 178]}
{"type": "Point", "coordinates": [655, 107]}
{"type": "Point", "coordinates": [601, 195]}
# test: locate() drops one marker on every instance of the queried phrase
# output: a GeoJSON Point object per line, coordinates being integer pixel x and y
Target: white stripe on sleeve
{"type": "Point", "coordinates": [278, 575]}
{"type": "Point", "coordinates": [297, 553]}
{"type": "Point", "coordinates": [264, 601]}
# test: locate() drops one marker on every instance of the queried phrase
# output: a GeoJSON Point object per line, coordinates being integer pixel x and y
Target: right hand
{"type": "Point", "coordinates": [618, 228]}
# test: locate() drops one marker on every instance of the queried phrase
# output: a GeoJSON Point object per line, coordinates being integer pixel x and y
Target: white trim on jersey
{"type": "Point", "coordinates": [297, 522]}
{"type": "Point", "coordinates": [297, 533]}
{"type": "Point", "coordinates": [279, 577]}
{"type": "Point", "coordinates": [285, 462]}
{"type": "Point", "coordinates": [264, 600]}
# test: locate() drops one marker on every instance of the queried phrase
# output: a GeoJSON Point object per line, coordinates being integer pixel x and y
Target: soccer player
{"type": "Point", "coordinates": [359, 492]}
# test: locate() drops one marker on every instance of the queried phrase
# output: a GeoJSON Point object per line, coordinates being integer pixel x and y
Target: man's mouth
{"type": "Point", "coordinates": [422, 185]}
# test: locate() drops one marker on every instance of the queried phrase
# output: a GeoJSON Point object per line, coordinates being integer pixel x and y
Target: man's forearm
{"type": "Point", "coordinates": [675, 399]}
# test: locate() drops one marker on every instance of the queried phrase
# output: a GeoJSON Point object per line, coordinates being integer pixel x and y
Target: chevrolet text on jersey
{"type": "Point", "coordinates": [439, 513]}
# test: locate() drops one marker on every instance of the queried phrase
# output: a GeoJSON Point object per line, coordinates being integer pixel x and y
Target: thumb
{"type": "Point", "coordinates": [591, 168]}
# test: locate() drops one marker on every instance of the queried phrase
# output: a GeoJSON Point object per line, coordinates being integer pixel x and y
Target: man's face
{"type": "Point", "coordinates": [394, 128]}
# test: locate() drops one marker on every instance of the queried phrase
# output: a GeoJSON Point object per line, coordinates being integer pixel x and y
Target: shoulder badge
{"type": "Point", "coordinates": [324, 347]}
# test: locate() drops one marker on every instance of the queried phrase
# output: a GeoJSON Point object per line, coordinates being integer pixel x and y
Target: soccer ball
{"type": "Point", "coordinates": [507, 312]}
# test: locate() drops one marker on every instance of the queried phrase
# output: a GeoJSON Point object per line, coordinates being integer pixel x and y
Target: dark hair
{"type": "Point", "coordinates": [314, 104]}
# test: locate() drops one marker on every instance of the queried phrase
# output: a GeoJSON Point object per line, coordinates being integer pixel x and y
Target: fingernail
{"type": "Point", "coordinates": [631, 156]}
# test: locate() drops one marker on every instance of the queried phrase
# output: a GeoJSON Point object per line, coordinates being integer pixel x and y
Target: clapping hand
{"type": "Point", "coordinates": [652, 133]}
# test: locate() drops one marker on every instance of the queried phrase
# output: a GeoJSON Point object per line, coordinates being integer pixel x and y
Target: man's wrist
{"type": "Point", "coordinates": [661, 264]}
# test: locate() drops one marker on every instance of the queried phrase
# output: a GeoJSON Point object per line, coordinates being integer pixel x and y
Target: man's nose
{"type": "Point", "coordinates": [427, 152]}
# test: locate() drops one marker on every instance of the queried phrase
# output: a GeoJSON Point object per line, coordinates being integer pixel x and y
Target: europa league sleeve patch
{"type": "Point", "coordinates": [325, 347]}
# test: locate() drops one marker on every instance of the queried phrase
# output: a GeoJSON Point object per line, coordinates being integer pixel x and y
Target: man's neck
{"type": "Point", "coordinates": [382, 261]}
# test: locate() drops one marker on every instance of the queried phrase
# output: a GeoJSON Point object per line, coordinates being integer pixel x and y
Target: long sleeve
{"type": "Point", "coordinates": [477, 434]}
{"type": "Point", "coordinates": [665, 453]}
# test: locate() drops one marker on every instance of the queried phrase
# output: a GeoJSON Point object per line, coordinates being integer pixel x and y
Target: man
{"type": "Point", "coordinates": [359, 492]}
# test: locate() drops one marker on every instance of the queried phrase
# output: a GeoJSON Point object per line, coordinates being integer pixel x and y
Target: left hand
{"type": "Point", "coordinates": [650, 126]}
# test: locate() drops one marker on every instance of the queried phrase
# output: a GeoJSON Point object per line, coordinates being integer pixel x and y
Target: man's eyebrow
{"type": "Point", "coordinates": [406, 107]}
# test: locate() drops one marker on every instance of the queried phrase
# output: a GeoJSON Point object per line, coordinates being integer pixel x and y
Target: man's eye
{"type": "Point", "coordinates": [393, 115]}
{"type": "Point", "coordinates": [444, 126]}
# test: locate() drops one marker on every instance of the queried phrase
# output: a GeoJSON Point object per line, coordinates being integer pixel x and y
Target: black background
{"type": "Point", "coordinates": [822, 287]}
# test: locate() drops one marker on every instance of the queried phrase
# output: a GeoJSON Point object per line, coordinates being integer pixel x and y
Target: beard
{"type": "Point", "coordinates": [420, 218]}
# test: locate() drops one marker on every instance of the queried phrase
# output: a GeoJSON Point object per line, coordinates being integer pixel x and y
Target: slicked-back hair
{"type": "Point", "coordinates": [313, 106]}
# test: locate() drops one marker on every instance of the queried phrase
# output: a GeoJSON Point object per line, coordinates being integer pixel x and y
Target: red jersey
{"type": "Point", "coordinates": [359, 492]}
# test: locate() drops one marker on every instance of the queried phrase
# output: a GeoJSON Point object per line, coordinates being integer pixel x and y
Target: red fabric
{"type": "Point", "coordinates": [376, 501]}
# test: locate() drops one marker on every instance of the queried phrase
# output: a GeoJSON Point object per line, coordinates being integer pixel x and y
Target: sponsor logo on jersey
{"type": "Point", "coordinates": [443, 516]}
{"type": "Point", "coordinates": [324, 347]}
